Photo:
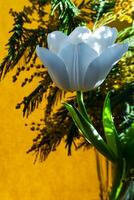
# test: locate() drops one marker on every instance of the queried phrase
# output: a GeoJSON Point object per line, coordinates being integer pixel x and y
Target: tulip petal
{"type": "Point", "coordinates": [98, 70]}
{"type": "Point", "coordinates": [56, 67]}
{"type": "Point", "coordinates": [79, 34]}
{"type": "Point", "coordinates": [77, 58]}
{"type": "Point", "coordinates": [102, 38]}
{"type": "Point", "coordinates": [55, 40]}
{"type": "Point", "coordinates": [91, 77]}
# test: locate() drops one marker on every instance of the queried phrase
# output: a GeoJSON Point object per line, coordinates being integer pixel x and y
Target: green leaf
{"type": "Point", "coordinates": [129, 135]}
{"type": "Point", "coordinates": [109, 128]}
{"type": "Point", "coordinates": [129, 145]}
{"type": "Point", "coordinates": [90, 132]}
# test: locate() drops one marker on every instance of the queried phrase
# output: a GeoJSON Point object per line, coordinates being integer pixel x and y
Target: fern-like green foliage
{"type": "Point", "coordinates": [65, 15]}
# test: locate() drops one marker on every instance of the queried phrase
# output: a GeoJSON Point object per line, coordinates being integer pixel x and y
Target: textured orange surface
{"type": "Point", "coordinates": [58, 178]}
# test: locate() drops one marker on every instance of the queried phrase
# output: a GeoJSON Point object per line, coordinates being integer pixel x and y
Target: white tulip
{"type": "Point", "coordinates": [82, 60]}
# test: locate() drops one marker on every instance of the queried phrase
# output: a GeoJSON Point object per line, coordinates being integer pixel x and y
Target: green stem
{"type": "Point", "coordinates": [126, 187]}
{"type": "Point", "coordinates": [119, 174]}
{"type": "Point", "coordinates": [81, 105]}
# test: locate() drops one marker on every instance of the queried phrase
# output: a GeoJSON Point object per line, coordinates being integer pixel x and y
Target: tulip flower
{"type": "Point", "coordinates": [82, 60]}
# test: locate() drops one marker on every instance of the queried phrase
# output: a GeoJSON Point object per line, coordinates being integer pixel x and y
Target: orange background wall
{"type": "Point", "coordinates": [58, 178]}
